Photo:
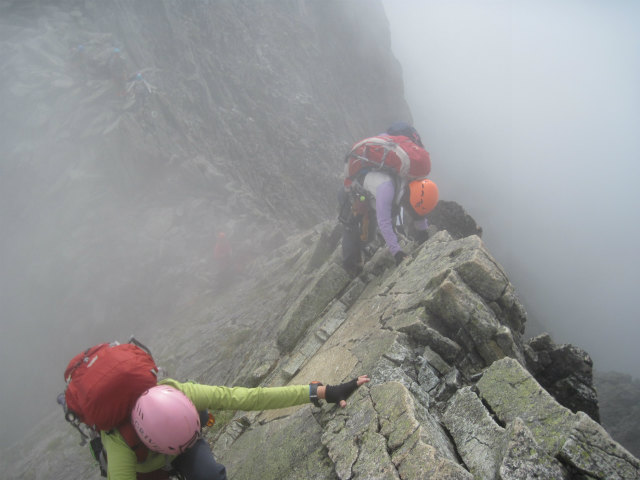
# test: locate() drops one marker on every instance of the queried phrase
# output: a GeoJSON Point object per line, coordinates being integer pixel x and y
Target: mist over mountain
{"type": "Point", "coordinates": [113, 195]}
{"type": "Point", "coordinates": [134, 132]}
{"type": "Point", "coordinates": [532, 110]}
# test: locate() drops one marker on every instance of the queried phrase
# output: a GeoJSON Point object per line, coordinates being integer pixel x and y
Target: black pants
{"type": "Point", "coordinates": [198, 463]}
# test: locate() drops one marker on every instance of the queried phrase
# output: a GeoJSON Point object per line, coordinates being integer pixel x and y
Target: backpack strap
{"type": "Point", "coordinates": [387, 146]}
{"type": "Point", "coordinates": [133, 441]}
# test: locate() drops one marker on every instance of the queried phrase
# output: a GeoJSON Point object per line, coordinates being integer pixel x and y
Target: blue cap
{"type": "Point", "coordinates": [403, 128]}
{"type": "Point", "coordinates": [397, 128]}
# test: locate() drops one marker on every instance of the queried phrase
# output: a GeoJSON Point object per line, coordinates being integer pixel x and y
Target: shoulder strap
{"type": "Point", "coordinates": [131, 438]}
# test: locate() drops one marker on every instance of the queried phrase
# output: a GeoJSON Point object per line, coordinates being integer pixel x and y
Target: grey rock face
{"type": "Point", "coordinates": [311, 303]}
{"type": "Point", "coordinates": [522, 457]}
{"type": "Point", "coordinates": [590, 449]}
{"type": "Point", "coordinates": [450, 397]}
{"type": "Point", "coordinates": [386, 422]}
{"type": "Point", "coordinates": [451, 217]}
{"type": "Point", "coordinates": [292, 447]}
{"type": "Point", "coordinates": [566, 372]}
{"type": "Point", "coordinates": [478, 436]}
{"type": "Point", "coordinates": [250, 109]}
{"type": "Point", "coordinates": [581, 443]}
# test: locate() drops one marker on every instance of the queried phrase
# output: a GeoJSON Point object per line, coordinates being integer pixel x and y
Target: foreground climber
{"type": "Point", "coordinates": [385, 186]}
{"type": "Point", "coordinates": [166, 420]}
{"type": "Point", "coordinates": [140, 428]}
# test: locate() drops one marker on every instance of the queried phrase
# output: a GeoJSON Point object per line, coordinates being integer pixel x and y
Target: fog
{"type": "Point", "coordinates": [530, 111]}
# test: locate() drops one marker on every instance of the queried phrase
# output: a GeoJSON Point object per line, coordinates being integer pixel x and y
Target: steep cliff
{"type": "Point", "coordinates": [114, 187]}
{"type": "Point", "coordinates": [456, 392]}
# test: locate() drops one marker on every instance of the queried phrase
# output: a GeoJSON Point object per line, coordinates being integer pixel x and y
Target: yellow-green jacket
{"type": "Point", "coordinates": [122, 462]}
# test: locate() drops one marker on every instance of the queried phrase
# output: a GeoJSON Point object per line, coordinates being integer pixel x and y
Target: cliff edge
{"type": "Point", "coordinates": [455, 393]}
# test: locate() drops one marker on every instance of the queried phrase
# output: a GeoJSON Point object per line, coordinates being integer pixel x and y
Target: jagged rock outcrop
{"type": "Point", "coordinates": [450, 216]}
{"type": "Point", "coordinates": [452, 393]}
{"type": "Point", "coordinates": [566, 372]}
{"type": "Point", "coordinates": [451, 396]}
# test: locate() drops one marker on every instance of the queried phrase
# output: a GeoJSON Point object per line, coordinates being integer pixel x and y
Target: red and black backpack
{"type": "Point", "coordinates": [103, 384]}
{"type": "Point", "coordinates": [398, 155]}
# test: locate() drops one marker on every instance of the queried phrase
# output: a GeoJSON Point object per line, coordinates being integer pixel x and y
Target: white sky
{"type": "Point", "coordinates": [531, 113]}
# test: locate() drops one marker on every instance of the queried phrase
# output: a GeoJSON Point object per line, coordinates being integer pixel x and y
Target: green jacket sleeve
{"type": "Point", "coordinates": [240, 398]}
{"type": "Point", "coordinates": [122, 463]}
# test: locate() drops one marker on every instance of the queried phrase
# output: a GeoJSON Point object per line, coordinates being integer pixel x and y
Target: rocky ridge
{"type": "Point", "coordinates": [453, 381]}
{"type": "Point", "coordinates": [241, 120]}
{"type": "Point", "coordinates": [456, 391]}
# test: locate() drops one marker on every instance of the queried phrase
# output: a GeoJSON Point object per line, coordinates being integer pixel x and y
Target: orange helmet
{"type": "Point", "coordinates": [423, 196]}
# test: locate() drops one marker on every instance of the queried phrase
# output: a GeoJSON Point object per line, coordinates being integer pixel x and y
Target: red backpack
{"type": "Point", "coordinates": [396, 154]}
{"type": "Point", "coordinates": [104, 382]}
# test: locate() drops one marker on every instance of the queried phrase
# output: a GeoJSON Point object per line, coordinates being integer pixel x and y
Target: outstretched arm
{"type": "Point", "coordinates": [261, 398]}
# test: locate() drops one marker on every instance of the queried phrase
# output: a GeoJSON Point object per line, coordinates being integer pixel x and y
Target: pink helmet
{"type": "Point", "coordinates": [165, 420]}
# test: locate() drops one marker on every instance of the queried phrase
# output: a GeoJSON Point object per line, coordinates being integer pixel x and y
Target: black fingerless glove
{"type": "Point", "coordinates": [399, 256]}
{"type": "Point", "coordinates": [334, 394]}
